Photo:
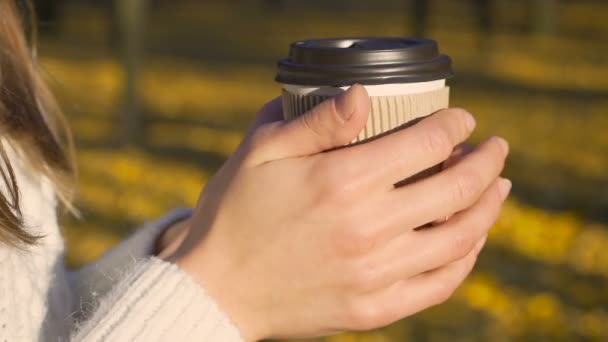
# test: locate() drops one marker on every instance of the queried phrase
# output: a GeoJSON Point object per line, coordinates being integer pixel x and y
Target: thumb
{"type": "Point", "coordinates": [333, 123]}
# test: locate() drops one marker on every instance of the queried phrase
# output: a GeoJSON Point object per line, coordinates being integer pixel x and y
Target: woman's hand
{"type": "Point", "coordinates": [170, 240]}
{"type": "Point", "coordinates": [295, 242]}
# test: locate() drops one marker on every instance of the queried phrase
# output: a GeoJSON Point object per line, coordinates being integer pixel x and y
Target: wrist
{"type": "Point", "coordinates": [229, 293]}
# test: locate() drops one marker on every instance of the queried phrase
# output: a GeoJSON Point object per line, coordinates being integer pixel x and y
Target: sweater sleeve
{"type": "Point", "coordinates": [156, 301]}
{"type": "Point", "coordinates": [129, 295]}
{"type": "Point", "coordinates": [96, 279]}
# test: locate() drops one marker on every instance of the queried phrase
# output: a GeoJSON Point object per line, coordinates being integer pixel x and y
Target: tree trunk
{"type": "Point", "coordinates": [419, 14]}
{"type": "Point", "coordinates": [131, 16]}
{"type": "Point", "coordinates": [545, 16]}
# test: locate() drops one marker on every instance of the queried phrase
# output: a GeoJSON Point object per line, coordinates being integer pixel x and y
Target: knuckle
{"type": "Point", "coordinates": [362, 315]}
{"type": "Point", "coordinates": [258, 142]}
{"type": "Point", "coordinates": [261, 136]}
{"type": "Point", "coordinates": [338, 189]}
{"type": "Point", "coordinates": [493, 155]}
{"type": "Point", "coordinates": [443, 292]}
{"type": "Point", "coordinates": [363, 276]}
{"type": "Point", "coordinates": [496, 198]}
{"type": "Point", "coordinates": [333, 186]}
{"type": "Point", "coordinates": [499, 155]}
{"type": "Point", "coordinates": [339, 134]}
{"type": "Point", "coordinates": [461, 245]}
{"type": "Point", "coordinates": [353, 240]}
{"type": "Point", "coordinates": [467, 187]}
{"type": "Point", "coordinates": [323, 121]}
{"type": "Point", "coordinates": [325, 175]}
{"type": "Point", "coordinates": [446, 289]}
{"type": "Point", "coordinates": [462, 116]}
{"type": "Point", "coordinates": [313, 122]}
{"type": "Point", "coordinates": [461, 120]}
{"type": "Point", "coordinates": [335, 114]}
{"type": "Point", "coordinates": [497, 149]}
{"type": "Point", "coordinates": [437, 142]}
{"type": "Point", "coordinates": [325, 181]}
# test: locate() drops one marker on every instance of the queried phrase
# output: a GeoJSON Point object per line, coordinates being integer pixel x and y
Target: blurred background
{"type": "Point", "coordinates": [160, 92]}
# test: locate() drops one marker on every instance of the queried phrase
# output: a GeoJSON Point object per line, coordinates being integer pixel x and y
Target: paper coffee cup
{"type": "Point", "coordinates": [405, 78]}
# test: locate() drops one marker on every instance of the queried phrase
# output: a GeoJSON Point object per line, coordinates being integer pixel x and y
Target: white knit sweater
{"type": "Point", "coordinates": [128, 295]}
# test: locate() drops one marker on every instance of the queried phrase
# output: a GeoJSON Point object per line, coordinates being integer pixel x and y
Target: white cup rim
{"type": "Point", "coordinates": [391, 89]}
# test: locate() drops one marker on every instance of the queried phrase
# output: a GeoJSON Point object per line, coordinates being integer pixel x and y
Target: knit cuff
{"type": "Point", "coordinates": [94, 280]}
{"type": "Point", "coordinates": [156, 301]}
{"type": "Point", "coordinates": [142, 243]}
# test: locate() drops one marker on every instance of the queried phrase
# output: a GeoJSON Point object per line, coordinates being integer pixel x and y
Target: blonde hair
{"type": "Point", "coordinates": [30, 120]}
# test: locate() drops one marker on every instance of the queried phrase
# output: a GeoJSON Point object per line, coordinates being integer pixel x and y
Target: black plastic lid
{"type": "Point", "coordinates": [345, 61]}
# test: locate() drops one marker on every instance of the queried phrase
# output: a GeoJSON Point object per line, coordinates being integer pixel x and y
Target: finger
{"type": "Point", "coordinates": [409, 296]}
{"type": "Point", "coordinates": [441, 245]}
{"type": "Point", "coordinates": [333, 123]}
{"type": "Point", "coordinates": [441, 283]}
{"type": "Point", "coordinates": [402, 154]}
{"type": "Point", "coordinates": [453, 190]}
{"type": "Point", "coordinates": [459, 153]}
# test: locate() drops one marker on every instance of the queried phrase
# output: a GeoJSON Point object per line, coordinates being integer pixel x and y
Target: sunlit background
{"type": "Point", "coordinates": [160, 92]}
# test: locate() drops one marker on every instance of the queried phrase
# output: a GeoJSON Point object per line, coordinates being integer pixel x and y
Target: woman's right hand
{"type": "Point", "coordinates": [295, 242]}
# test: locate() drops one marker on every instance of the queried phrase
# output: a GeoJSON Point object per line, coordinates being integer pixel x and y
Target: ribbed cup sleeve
{"type": "Point", "coordinates": [387, 113]}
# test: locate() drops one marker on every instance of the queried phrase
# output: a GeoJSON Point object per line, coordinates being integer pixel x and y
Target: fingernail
{"type": "Point", "coordinates": [504, 186]}
{"type": "Point", "coordinates": [504, 145]}
{"type": "Point", "coordinates": [470, 121]}
{"type": "Point", "coordinates": [346, 103]}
